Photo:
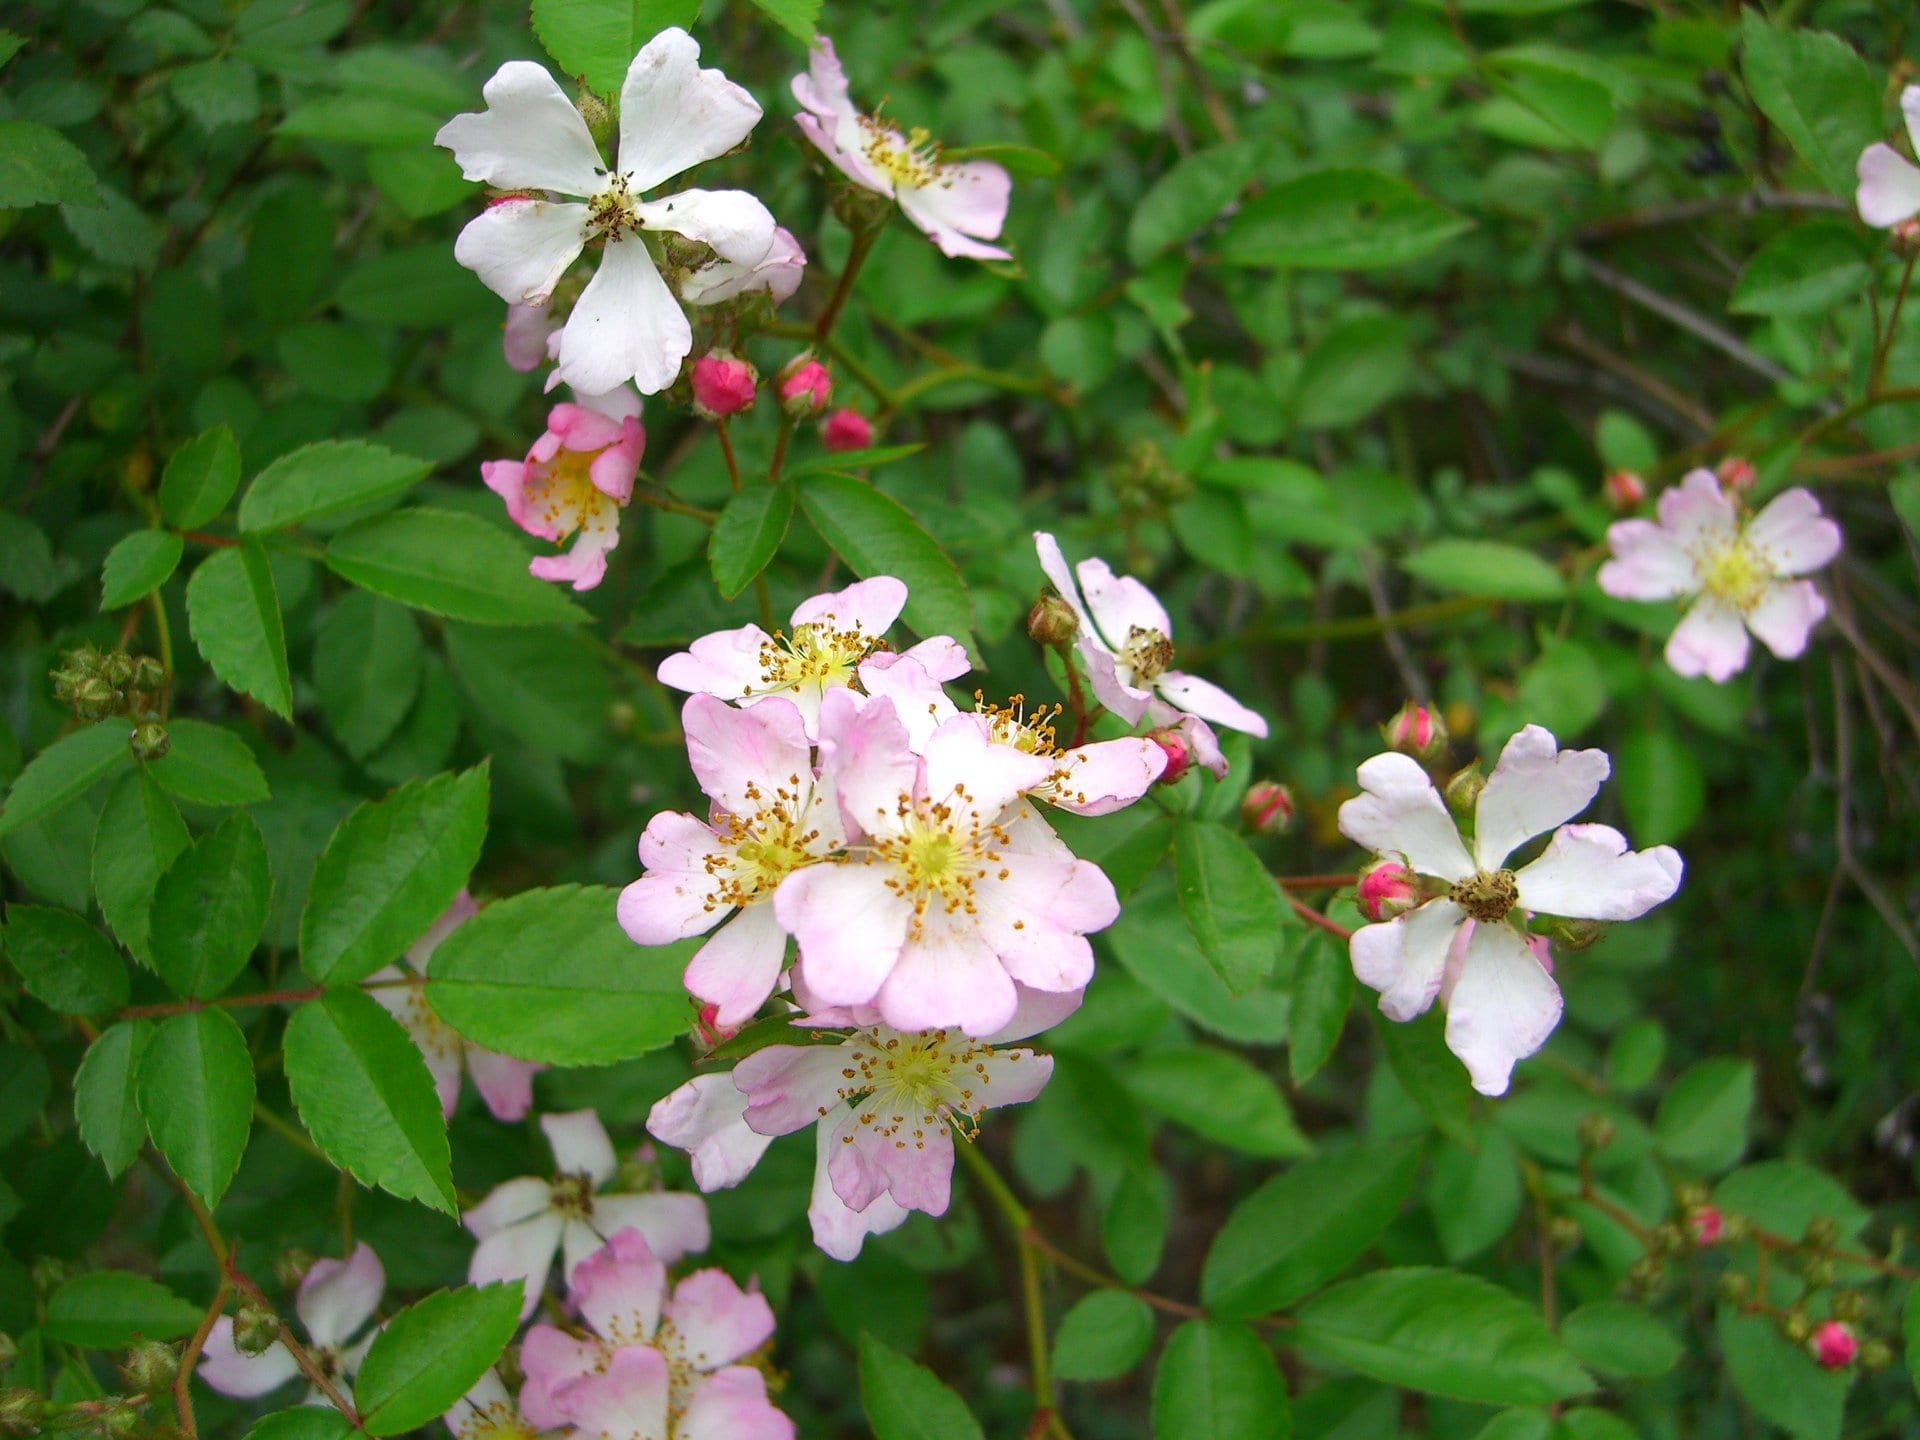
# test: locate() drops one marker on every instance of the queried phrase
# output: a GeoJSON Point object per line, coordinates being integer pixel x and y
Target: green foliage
{"type": "Point", "coordinates": [63, 962]}
{"type": "Point", "coordinates": [1106, 1333]}
{"type": "Point", "coordinates": [108, 1309]}
{"type": "Point", "coordinates": [209, 907]}
{"type": "Point", "coordinates": [431, 1353]}
{"type": "Point", "coordinates": [1217, 1381]}
{"type": "Point", "coordinates": [195, 1087]}
{"type": "Point", "coordinates": [235, 615]}
{"type": "Point", "coordinates": [447, 564]}
{"type": "Point", "coordinates": [905, 1401]}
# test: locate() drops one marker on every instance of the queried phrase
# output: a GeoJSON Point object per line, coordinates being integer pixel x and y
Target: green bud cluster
{"type": "Point", "coordinates": [98, 684]}
{"type": "Point", "coordinates": [1144, 479]}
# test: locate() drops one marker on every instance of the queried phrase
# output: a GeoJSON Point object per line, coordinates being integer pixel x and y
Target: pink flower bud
{"type": "Point", "coordinates": [1387, 888]}
{"type": "Point", "coordinates": [723, 385]}
{"type": "Point", "coordinates": [1179, 756]}
{"type": "Point", "coordinates": [1624, 490]}
{"type": "Point", "coordinates": [1267, 808]}
{"type": "Point", "coordinates": [1834, 1345]}
{"type": "Point", "coordinates": [1736, 474]}
{"type": "Point", "coordinates": [804, 387]}
{"type": "Point", "coordinates": [708, 1030]}
{"type": "Point", "coordinates": [847, 430]}
{"type": "Point", "coordinates": [1905, 236]}
{"type": "Point", "coordinates": [1706, 1224]}
{"type": "Point", "coordinates": [1416, 730]}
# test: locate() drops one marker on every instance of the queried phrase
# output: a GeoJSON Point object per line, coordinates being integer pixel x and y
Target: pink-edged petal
{"type": "Point", "coordinates": [732, 223]}
{"type": "Point", "coordinates": [1209, 702]}
{"type": "Point", "coordinates": [585, 563]}
{"type": "Point", "coordinates": [1406, 958]}
{"type": "Point", "coordinates": [1054, 565]}
{"type": "Point", "coordinates": [509, 479]}
{"type": "Point", "coordinates": [1111, 687]}
{"type": "Point", "coordinates": [1203, 746]}
{"type": "Point", "coordinates": [917, 697]}
{"type": "Point", "coordinates": [740, 756]}
{"type": "Point", "coordinates": [1012, 1077]}
{"type": "Point", "coordinates": [550, 1359]}
{"type": "Point", "coordinates": [243, 1376]}
{"type": "Point", "coordinates": [508, 1204]}
{"type": "Point", "coordinates": [673, 1223]}
{"type": "Point", "coordinates": [522, 1252]}
{"type": "Point", "coordinates": [625, 326]}
{"type": "Point", "coordinates": [1535, 786]}
{"type": "Point", "coordinates": [580, 1145]}
{"type": "Point", "coordinates": [906, 1157]}
{"type": "Point", "coordinates": [778, 273]}
{"type": "Point", "coordinates": [676, 897]}
{"type": "Point", "coordinates": [867, 759]}
{"type": "Point", "coordinates": [674, 115]}
{"type": "Point", "coordinates": [1889, 186]}
{"type": "Point", "coordinates": [1710, 640]}
{"type": "Point", "coordinates": [947, 976]}
{"type": "Point", "coordinates": [1785, 615]}
{"type": "Point", "coordinates": [1120, 604]}
{"type": "Point", "coordinates": [823, 88]}
{"type": "Point", "coordinates": [1400, 813]}
{"type": "Point", "coordinates": [716, 1320]}
{"type": "Point", "coordinates": [524, 335]}
{"type": "Point", "coordinates": [1502, 1009]}
{"type": "Point", "coordinates": [967, 771]}
{"type": "Point", "coordinates": [732, 1404]}
{"type": "Point", "coordinates": [1105, 776]}
{"type": "Point", "coordinates": [941, 656]}
{"type": "Point", "coordinates": [725, 663]}
{"type": "Point", "coordinates": [838, 1230]}
{"type": "Point", "coordinates": [1034, 920]}
{"type": "Point", "coordinates": [740, 966]}
{"type": "Point", "coordinates": [521, 247]}
{"type": "Point", "coordinates": [871, 605]}
{"type": "Point", "coordinates": [1697, 514]}
{"type": "Point", "coordinates": [1034, 1011]}
{"type": "Point", "coordinates": [625, 1400]}
{"type": "Point", "coordinates": [619, 1289]}
{"type": "Point", "coordinates": [707, 1118]}
{"type": "Point", "coordinates": [963, 208]}
{"type": "Point", "coordinates": [789, 1087]}
{"type": "Point", "coordinates": [612, 471]}
{"type": "Point", "coordinates": [338, 1297]}
{"type": "Point", "coordinates": [1791, 536]}
{"type": "Point", "coordinates": [1647, 563]}
{"type": "Point", "coordinates": [505, 1084]}
{"type": "Point", "coordinates": [530, 136]}
{"type": "Point", "coordinates": [1588, 873]}
{"type": "Point", "coordinates": [849, 925]}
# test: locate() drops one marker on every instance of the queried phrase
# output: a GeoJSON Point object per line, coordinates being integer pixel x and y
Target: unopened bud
{"type": "Point", "coordinates": [1846, 1305]}
{"type": "Point", "coordinates": [708, 1030]}
{"type": "Point", "coordinates": [1733, 1287]}
{"type": "Point", "coordinates": [1267, 808]}
{"type": "Point", "coordinates": [1576, 934]}
{"type": "Point", "coordinates": [1648, 1275]}
{"type": "Point", "coordinates": [96, 692]}
{"type": "Point", "coordinates": [847, 430]}
{"type": "Point", "coordinates": [723, 385]}
{"type": "Point", "coordinates": [1416, 730]}
{"type": "Point", "coordinates": [149, 1367]}
{"type": "Point", "coordinates": [290, 1266]}
{"type": "Point", "coordinates": [804, 388]}
{"type": "Point", "coordinates": [1463, 790]}
{"type": "Point", "coordinates": [150, 740]}
{"type": "Point", "coordinates": [1596, 1131]}
{"type": "Point", "coordinates": [1795, 1326]}
{"type": "Point", "coordinates": [1174, 745]}
{"type": "Point", "coordinates": [1818, 1270]}
{"type": "Point", "coordinates": [1734, 1228]}
{"type": "Point", "coordinates": [254, 1329]}
{"type": "Point", "coordinates": [1706, 1224]}
{"type": "Point", "coordinates": [118, 668]}
{"type": "Point", "coordinates": [1669, 1238]}
{"type": "Point", "coordinates": [1387, 888]}
{"type": "Point", "coordinates": [1875, 1355]}
{"type": "Point", "coordinates": [1690, 1194]}
{"type": "Point", "coordinates": [1624, 490]}
{"type": "Point", "coordinates": [20, 1412]}
{"type": "Point", "coordinates": [1834, 1345]}
{"type": "Point", "coordinates": [1736, 474]}
{"type": "Point", "coordinates": [149, 673]}
{"type": "Point", "coordinates": [1052, 622]}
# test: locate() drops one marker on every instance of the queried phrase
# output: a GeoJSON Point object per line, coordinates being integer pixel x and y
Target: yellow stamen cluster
{"type": "Point", "coordinates": [905, 1087]}
{"type": "Point", "coordinates": [1146, 653]}
{"type": "Point", "coordinates": [911, 161]}
{"type": "Point", "coordinates": [1736, 572]}
{"type": "Point", "coordinates": [935, 851]}
{"type": "Point", "coordinates": [1487, 896]}
{"type": "Point", "coordinates": [560, 492]}
{"type": "Point", "coordinates": [761, 849]}
{"type": "Point", "coordinates": [821, 654]}
{"type": "Point", "coordinates": [1011, 724]}
{"type": "Point", "coordinates": [571, 1195]}
{"type": "Point", "coordinates": [495, 1420]}
{"type": "Point", "coordinates": [611, 212]}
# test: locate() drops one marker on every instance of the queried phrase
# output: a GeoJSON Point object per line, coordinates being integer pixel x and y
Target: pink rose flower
{"type": "Point", "coordinates": [577, 478]}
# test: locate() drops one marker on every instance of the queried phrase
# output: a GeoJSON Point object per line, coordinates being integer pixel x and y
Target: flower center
{"type": "Point", "coordinates": [1735, 573]}
{"type": "Point", "coordinates": [496, 1420]}
{"type": "Point", "coordinates": [1146, 653]}
{"type": "Point", "coordinates": [766, 845]}
{"type": "Point", "coordinates": [1011, 724]}
{"type": "Point", "coordinates": [822, 656]}
{"type": "Point", "coordinates": [561, 492]}
{"type": "Point", "coordinates": [611, 212]}
{"type": "Point", "coordinates": [911, 160]}
{"type": "Point", "coordinates": [1487, 896]}
{"type": "Point", "coordinates": [907, 1086]}
{"type": "Point", "coordinates": [571, 1196]}
{"type": "Point", "coordinates": [937, 853]}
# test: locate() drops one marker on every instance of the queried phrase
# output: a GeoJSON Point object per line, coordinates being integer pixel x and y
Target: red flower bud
{"type": "Point", "coordinates": [708, 1030]}
{"type": "Point", "coordinates": [1387, 888]}
{"type": "Point", "coordinates": [1624, 491]}
{"type": "Point", "coordinates": [1736, 474]}
{"type": "Point", "coordinates": [1707, 1223]}
{"type": "Point", "coordinates": [804, 387]}
{"type": "Point", "coordinates": [1171, 741]}
{"type": "Point", "coordinates": [1834, 1345]}
{"type": "Point", "coordinates": [1416, 730]}
{"type": "Point", "coordinates": [1267, 808]}
{"type": "Point", "coordinates": [847, 430]}
{"type": "Point", "coordinates": [723, 385]}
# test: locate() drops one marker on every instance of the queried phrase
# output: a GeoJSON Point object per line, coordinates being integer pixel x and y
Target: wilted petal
{"type": "Point", "coordinates": [1502, 1009]}
{"type": "Point", "coordinates": [1535, 786]}
{"type": "Point", "coordinates": [1588, 873]}
{"type": "Point", "coordinates": [1400, 813]}
{"type": "Point", "coordinates": [530, 136]}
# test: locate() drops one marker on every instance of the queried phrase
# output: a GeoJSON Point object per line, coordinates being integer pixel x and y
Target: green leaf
{"type": "Point", "coordinates": [27, 566]}
{"type": "Point", "coordinates": [1435, 1080]}
{"type": "Point", "coordinates": [365, 1095]}
{"type": "Point", "coordinates": [1322, 994]}
{"type": "Point", "coordinates": [234, 613]}
{"type": "Point", "coordinates": [1563, 689]}
{"type": "Point", "coordinates": [450, 564]}
{"type": "Point", "coordinates": [1618, 1338]}
{"type": "Point", "coordinates": [597, 39]}
{"type": "Point", "coordinates": [1486, 567]}
{"type": "Point", "coordinates": [210, 907]}
{"type": "Point", "coordinates": [105, 1104]}
{"type": "Point", "coordinates": [430, 1354]}
{"type": "Point", "coordinates": [1217, 1381]}
{"type": "Point", "coordinates": [1305, 1226]}
{"type": "Point", "coordinates": [1356, 368]}
{"type": "Point", "coordinates": [1105, 1334]}
{"type": "Point", "coordinates": [64, 962]}
{"type": "Point", "coordinates": [40, 166]}
{"type": "Point", "coordinates": [65, 771]}
{"type": "Point", "coordinates": [1152, 941]}
{"type": "Point", "coordinates": [550, 690]}
{"type": "Point", "coordinates": [110, 1309]}
{"type": "Point", "coordinates": [549, 975]}
{"type": "Point", "coordinates": [324, 479]}
{"type": "Point", "coordinates": [1818, 90]}
{"type": "Point", "coordinates": [1779, 1379]}
{"type": "Point", "coordinates": [1785, 1196]}
{"type": "Point", "coordinates": [208, 765]}
{"type": "Point", "coordinates": [1811, 269]}
{"type": "Point", "coordinates": [137, 566]}
{"type": "Point", "coordinates": [905, 1401]}
{"type": "Point", "coordinates": [1229, 900]}
{"type": "Point", "coordinates": [1133, 1227]}
{"type": "Point", "coordinates": [1196, 189]}
{"type": "Point", "coordinates": [1660, 784]}
{"type": "Point", "coordinates": [1339, 220]}
{"type": "Point", "coordinates": [200, 479]}
{"type": "Point", "coordinates": [796, 17]}
{"type": "Point", "coordinates": [1474, 1196]}
{"type": "Point", "coordinates": [876, 535]}
{"type": "Point", "coordinates": [388, 871]}
{"type": "Point", "coordinates": [373, 121]}
{"type": "Point", "coordinates": [747, 534]}
{"type": "Point", "coordinates": [24, 1087]}
{"type": "Point", "coordinates": [1219, 1095]}
{"type": "Point", "coordinates": [1442, 1332]}
{"type": "Point", "coordinates": [302, 1422]}
{"type": "Point", "coordinates": [1551, 106]}
{"type": "Point", "coordinates": [415, 285]}
{"type": "Point", "coordinates": [195, 1087]}
{"type": "Point", "coordinates": [1702, 1121]}
{"type": "Point", "coordinates": [366, 667]}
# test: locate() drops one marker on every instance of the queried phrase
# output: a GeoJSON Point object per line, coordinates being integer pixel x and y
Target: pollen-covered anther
{"type": "Point", "coordinates": [1737, 572]}
{"type": "Point", "coordinates": [1488, 896]}
{"type": "Point", "coordinates": [1147, 653]}
{"type": "Point", "coordinates": [817, 654]}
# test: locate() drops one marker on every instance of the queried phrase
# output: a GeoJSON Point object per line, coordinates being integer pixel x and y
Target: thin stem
{"type": "Point", "coordinates": [225, 1002]}
{"type": "Point", "coordinates": [163, 637]}
{"type": "Point", "coordinates": [201, 537]}
{"type": "Point", "coordinates": [675, 507]}
{"type": "Point", "coordinates": [1885, 347]}
{"type": "Point", "coordinates": [1314, 917]}
{"type": "Point", "coordinates": [291, 1133]}
{"type": "Point", "coordinates": [182, 1397]}
{"type": "Point", "coordinates": [726, 450]}
{"type": "Point", "coordinates": [780, 449]}
{"type": "Point", "coordinates": [863, 242]}
{"type": "Point", "coordinates": [1317, 882]}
